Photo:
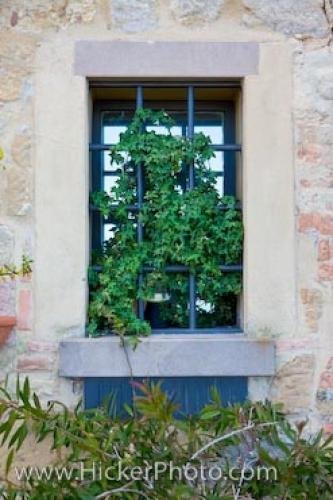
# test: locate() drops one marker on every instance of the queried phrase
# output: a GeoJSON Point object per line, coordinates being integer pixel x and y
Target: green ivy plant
{"type": "Point", "coordinates": [197, 228]}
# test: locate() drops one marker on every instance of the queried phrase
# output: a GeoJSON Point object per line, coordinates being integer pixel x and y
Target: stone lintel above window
{"type": "Point", "coordinates": [116, 59]}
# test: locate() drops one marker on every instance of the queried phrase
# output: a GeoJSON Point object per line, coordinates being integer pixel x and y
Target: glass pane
{"type": "Point", "coordinates": [203, 306]}
{"type": "Point", "coordinates": [210, 124]}
{"type": "Point", "coordinates": [220, 314]}
{"type": "Point", "coordinates": [176, 130]}
{"type": "Point", "coordinates": [216, 164]}
{"type": "Point", "coordinates": [109, 182]}
{"type": "Point", "coordinates": [113, 124]}
{"type": "Point", "coordinates": [111, 133]}
{"type": "Point", "coordinates": [168, 306]}
{"type": "Point", "coordinates": [108, 231]}
{"type": "Point", "coordinates": [107, 161]}
{"type": "Point", "coordinates": [219, 183]}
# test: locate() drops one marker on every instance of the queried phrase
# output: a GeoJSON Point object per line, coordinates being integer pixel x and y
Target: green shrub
{"type": "Point", "coordinates": [234, 438]}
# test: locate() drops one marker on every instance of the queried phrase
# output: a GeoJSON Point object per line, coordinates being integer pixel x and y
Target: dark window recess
{"type": "Point", "coordinates": [197, 107]}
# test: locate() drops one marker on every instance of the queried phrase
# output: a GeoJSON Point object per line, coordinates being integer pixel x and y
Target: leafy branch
{"type": "Point", "coordinates": [254, 434]}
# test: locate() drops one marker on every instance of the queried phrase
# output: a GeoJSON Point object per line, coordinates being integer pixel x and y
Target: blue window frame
{"type": "Point", "coordinates": [195, 107]}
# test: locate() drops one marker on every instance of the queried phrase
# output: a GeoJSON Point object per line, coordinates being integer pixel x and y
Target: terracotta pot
{"type": "Point", "coordinates": [7, 323]}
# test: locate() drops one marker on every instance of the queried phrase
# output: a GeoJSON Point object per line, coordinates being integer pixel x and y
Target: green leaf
{"type": "Point", "coordinates": [210, 414]}
{"type": "Point", "coordinates": [9, 461]}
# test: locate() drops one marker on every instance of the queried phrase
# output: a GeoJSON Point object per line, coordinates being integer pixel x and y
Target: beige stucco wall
{"type": "Point", "coordinates": [268, 193]}
{"type": "Point", "coordinates": [287, 138]}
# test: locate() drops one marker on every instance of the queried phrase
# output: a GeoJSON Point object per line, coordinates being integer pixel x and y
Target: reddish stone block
{"type": "Point", "coordinates": [312, 300]}
{"type": "Point", "coordinates": [38, 346]}
{"type": "Point", "coordinates": [324, 223]}
{"type": "Point", "coordinates": [324, 250]}
{"type": "Point", "coordinates": [325, 272]}
{"type": "Point", "coordinates": [34, 363]}
{"type": "Point", "coordinates": [7, 324]}
{"type": "Point", "coordinates": [24, 317]}
{"type": "Point", "coordinates": [328, 428]}
{"type": "Point", "coordinates": [326, 380]}
{"type": "Point", "coordinates": [323, 181]}
{"type": "Point", "coordinates": [310, 152]}
{"type": "Point", "coordinates": [305, 183]}
{"type": "Point", "coordinates": [294, 344]}
{"type": "Point", "coordinates": [305, 222]}
{"type": "Point", "coordinates": [316, 221]}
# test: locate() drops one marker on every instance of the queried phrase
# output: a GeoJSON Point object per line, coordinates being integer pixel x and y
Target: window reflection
{"type": "Point", "coordinates": [109, 230]}
{"type": "Point", "coordinates": [111, 134]}
{"type": "Point", "coordinates": [176, 130]}
{"type": "Point", "coordinates": [210, 124]}
{"type": "Point", "coordinates": [215, 133]}
{"type": "Point", "coordinates": [216, 163]}
{"type": "Point", "coordinates": [106, 160]}
{"type": "Point", "coordinates": [219, 185]}
{"type": "Point", "coordinates": [109, 182]}
{"type": "Point", "coordinates": [107, 166]}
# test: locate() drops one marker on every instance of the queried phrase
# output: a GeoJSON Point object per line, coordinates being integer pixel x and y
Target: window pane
{"type": "Point", "coordinates": [176, 130]}
{"type": "Point", "coordinates": [109, 182]}
{"type": "Point", "coordinates": [220, 314]}
{"type": "Point", "coordinates": [113, 124]}
{"type": "Point", "coordinates": [174, 311]}
{"type": "Point", "coordinates": [106, 161]}
{"type": "Point", "coordinates": [219, 184]}
{"type": "Point", "coordinates": [108, 231]}
{"type": "Point", "coordinates": [210, 124]}
{"type": "Point", "coordinates": [216, 164]}
{"type": "Point", "coordinates": [111, 133]}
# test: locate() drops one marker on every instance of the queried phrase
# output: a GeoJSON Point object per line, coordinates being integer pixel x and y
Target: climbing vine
{"type": "Point", "coordinates": [197, 228]}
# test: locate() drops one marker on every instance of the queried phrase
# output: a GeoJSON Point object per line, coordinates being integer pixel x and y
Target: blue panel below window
{"type": "Point", "coordinates": [191, 393]}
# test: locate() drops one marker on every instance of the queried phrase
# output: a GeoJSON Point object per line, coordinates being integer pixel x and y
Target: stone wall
{"type": "Point", "coordinates": [304, 380]}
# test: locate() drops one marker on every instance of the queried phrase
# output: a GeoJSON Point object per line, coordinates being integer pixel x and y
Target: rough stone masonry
{"type": "Point", "coordinates": [304, 379]}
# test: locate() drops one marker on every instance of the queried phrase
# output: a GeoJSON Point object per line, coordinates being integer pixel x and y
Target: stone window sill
{"type": "Point", "coordinates": [172, 355]}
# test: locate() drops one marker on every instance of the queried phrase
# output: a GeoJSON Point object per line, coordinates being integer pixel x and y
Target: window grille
{"type": "Point", "coordinates": [102, 175]}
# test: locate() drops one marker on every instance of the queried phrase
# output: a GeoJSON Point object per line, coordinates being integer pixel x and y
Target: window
{"type": "Point", "coordinates": [195, 107]}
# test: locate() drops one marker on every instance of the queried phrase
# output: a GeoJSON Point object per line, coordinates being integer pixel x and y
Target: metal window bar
{"type": "Point", "coordinates": [150, 83]}
{"type": "Point", "coordinates": [191, 182]}
{"type": "Point", "coordinates": [179, 268]}
{"type": "Point", "coordinates": [135, 208]}
{"type": "Point", "coordinates": [94, 146]}
{"type": "Point", "coordinates": [139, 187]}
{"type": "Point", "coordinates": [215, 147]}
